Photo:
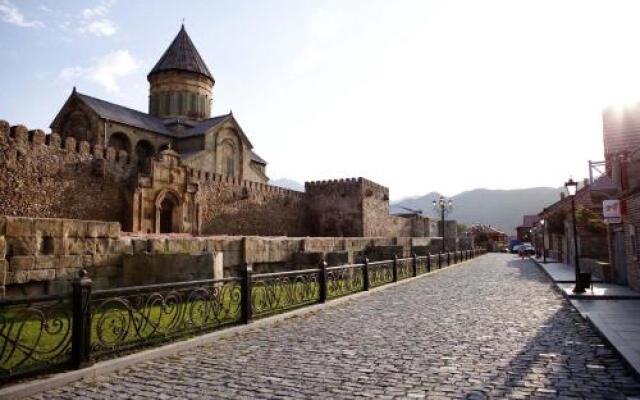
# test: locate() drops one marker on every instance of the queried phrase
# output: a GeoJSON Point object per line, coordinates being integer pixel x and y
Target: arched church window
{"type": "Point", "coordinates": [144, 152]}
{"type": "Point", "coordinates": [78, 127]}
{"type": "Point", "coordinates": [120, 141]}
{"type": "Point", "coordinates": [228, 158]}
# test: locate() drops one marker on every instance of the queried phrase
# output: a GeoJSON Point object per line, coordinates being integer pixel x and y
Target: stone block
{"type": "Point", "coordinates": [55, 139]}
{"type": "Point", "coordinates": [18, 263]}
{"type": "Point", "coordinates": [62, 286]}
{"type": "Point", "coordinates": [70, 261]}
{"type": "Point", "coordinates": [74, 228]}
{"type": "Point", "coordinates": [17, 277]}
{"type": "Point", "coordinates": [101, 245]}
{"type": "Point", "coordinates": [101, 260]}
{"type": "Point", "coordinates": [67, 273]}
{"type": "Point", "coordinates": [20, 133]}
{"type": "Point", "coordinates": [19, 227]}
{"type": "Point", "coordinates": [232, 258]}
{"type": "Point", "coordinates": [41, 275]}
{"type": "Point", "coordinates": [48, 227]}
{"type": "Point", "coordinates": [38, 137]}
{"type": "Point", "coordinates": [121, 246]}
{"type": "Point", "coordinates": [334, 258]}
{"type": "Point", "coordinates": [307, 259]}
{"type": "Point", "coordinates": [184, 246]}
{"type": "Point", "coordinates": [158, 246]}
{"type": "Point", "coordinates": [144, 269]}
{"type": "Point", "coordinates": [79, 246]}
{"type": "Point", "coordinates": [97, 229]}
{"type": "Point", "coordinates": [139, 245]}
{"type": "Point", "coordinates": [4, 127]}
{"type": "Point", "coordinates": [3, 225]}
{"type": "Point", "coordinates": [46, 262]}
{"type": "Point", "coordinates": [21, 246]}
{"type": "Point", "coordinates": [107, 271]}
{"type": "Point", "coordinates": [3, 248]}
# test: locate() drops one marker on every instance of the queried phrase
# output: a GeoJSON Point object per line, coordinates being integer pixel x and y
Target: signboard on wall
{"type": "Point", "coordinates": [611, 211]}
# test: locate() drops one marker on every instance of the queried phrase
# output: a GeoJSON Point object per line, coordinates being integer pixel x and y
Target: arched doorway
{"type": "Point", "coordinates": [144, 152]}
{"type": "Point", "coordinates": [168, 215]}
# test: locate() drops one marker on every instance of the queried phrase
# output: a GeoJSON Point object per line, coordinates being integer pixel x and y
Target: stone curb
{"type": "Point", "coordinates": [604, 333]}
{"type": "Point", "coordinates": [33, 387]}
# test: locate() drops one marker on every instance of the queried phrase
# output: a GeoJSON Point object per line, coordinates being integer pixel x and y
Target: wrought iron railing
{"type": "Point", "coordinates": [122, 319]}
{"type": "Point", "coordinates": [35, 335]}
{"type": "Point", "coordinates": [46, 333]}
{"type": "Point", "coordinates": [280, 291]}
{"type": "Point", "coordinates": [344, 280]}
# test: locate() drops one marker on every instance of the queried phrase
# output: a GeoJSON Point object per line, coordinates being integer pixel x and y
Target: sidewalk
{"type": "Point", "coordinates": [614, 310]}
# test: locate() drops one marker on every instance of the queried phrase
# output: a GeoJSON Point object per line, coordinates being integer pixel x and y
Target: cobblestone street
{"type": "Point", "coordinates": [491, 328]}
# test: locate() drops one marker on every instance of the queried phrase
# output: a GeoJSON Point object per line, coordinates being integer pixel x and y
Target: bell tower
{"type": "Point", "coordinates": [181, 84]}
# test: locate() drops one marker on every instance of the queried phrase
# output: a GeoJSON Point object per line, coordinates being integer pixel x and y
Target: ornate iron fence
{"type": "Point", "coordinates": [280, 291]}
{"type": "Point", "coordinates": [380, 273]}
{"type": "Point", "coordinates": [53, 332]}
{"type": "Point", "coordinates": [35, 335]}
{"type": "Point", "coordinates": [122, 319]}
{"type": "Point", "coordinates": [344, 280]}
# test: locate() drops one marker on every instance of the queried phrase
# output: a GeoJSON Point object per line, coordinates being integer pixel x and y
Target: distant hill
{"type": "Point", "coordinates": [501, 208]}
{"type": "Point", "coordinates": [287, 184]}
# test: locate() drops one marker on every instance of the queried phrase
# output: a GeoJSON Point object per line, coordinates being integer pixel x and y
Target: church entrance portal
{"type": "Point", "coordinates": [167, 213]}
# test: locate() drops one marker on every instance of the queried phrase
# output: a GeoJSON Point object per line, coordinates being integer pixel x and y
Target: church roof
{"type": "Point", "coordinates": [182, 56]}
{"type": "Point", "coordinates": [124, 115]}
{"type": "Point", "coordinates": [138, 119]}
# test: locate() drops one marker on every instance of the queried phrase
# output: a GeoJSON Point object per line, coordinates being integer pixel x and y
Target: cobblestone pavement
{"type": "Point", "coordinates": [491, 328]}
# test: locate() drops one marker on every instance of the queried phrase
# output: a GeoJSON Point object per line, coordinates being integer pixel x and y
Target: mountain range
{"type": "Point", "coordinates": [503, 209]}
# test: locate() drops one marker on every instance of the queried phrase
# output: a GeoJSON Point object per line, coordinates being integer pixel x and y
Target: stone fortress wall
{"type": "Point", "coordinates": [42, 176]}
{"type": "Point", "coordinates": [42, 255]}
{"type": "Point", "coordinates": [67, 205]}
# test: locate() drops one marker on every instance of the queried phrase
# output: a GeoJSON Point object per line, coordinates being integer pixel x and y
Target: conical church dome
{"type": "Point", "coordinates": [182, 56]}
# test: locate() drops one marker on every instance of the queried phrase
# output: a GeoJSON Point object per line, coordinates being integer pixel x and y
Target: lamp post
{"type": "Point", "coordinates": [544, 251]}
{"type": "Point", "coordinates": [443, 205]}
{"type": "Point", "coordinates": [572, 188]}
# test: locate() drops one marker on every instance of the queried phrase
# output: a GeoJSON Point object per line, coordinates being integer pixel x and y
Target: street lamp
{"type": "Point", "coordinates": [444, 205]}
{"type": "Point", "coordinates": [544, 251]}
{"type": "Point", "coordinates": [572, 188]}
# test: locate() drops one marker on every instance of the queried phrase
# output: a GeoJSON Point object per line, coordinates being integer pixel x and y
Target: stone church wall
{"type": "Point", "coordinates": [42, 176]}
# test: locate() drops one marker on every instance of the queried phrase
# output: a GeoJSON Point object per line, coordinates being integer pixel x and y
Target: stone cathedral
{"type": "Point", "coordinates": [180, 103]}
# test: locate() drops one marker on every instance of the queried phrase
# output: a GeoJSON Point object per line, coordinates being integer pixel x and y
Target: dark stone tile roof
{"type": "Point", "coordinates": [182, 56]}
{"type": "Point", "coordinates": [257, 158]}
{"type": "Point", "coordinates": [124, 115]}
{"type": "Point", "coordinates": [138, 119]}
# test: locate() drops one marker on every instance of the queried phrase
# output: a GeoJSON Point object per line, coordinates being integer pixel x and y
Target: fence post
{"type": "Point", "coordinates": [395, 268]}
{"type": "Point", "coordinates": [81, 323]}
{"type": "Point", "coordinates": [448, 258]}
{"type": "Point", "coordinates": [322, 281]}
{"type": "Point", "coordinates": [439, 260]}
{"type": "Point", "coordinates": [365, 274]}
{"type": "Point", "coordinates": [429, 261]}
{"type": "Point", "coordinates": [414, 263]}
{"type": "Point", "coordinates": [247, 311]}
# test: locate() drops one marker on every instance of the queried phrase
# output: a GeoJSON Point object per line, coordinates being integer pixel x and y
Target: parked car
{"type": "Point", "coordinates": [526, 247]}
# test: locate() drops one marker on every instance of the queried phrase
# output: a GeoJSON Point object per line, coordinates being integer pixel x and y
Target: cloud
{"type": "Point", "coordinates": [10, 14]}
{"type": "Point", "coordinates": [102, 27]}
{"type": "Point", "coordinates": [95, 20]}
{"type": "Point", "coordinates": [104, 71]}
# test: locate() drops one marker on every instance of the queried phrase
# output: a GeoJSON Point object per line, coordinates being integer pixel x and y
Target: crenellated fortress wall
{"type": "Point", "coordinates": [43, 176]}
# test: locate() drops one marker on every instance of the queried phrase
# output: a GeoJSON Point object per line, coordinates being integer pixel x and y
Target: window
{"type": "Point", "coordinates": [227, 158]}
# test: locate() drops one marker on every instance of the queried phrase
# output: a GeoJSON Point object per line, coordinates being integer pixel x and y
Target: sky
{"type": "Point", "coordinates": [418, 96]}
